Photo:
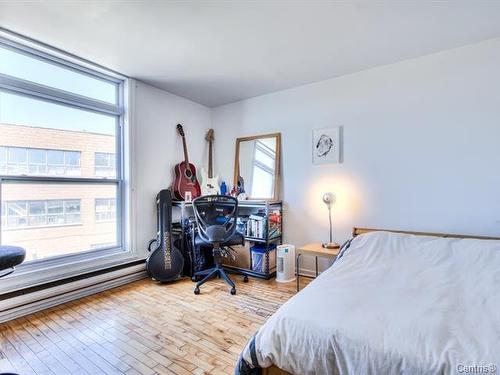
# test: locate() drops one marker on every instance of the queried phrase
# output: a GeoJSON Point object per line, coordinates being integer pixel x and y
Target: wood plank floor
{"type": "Point", "coordinates": [143, 328]}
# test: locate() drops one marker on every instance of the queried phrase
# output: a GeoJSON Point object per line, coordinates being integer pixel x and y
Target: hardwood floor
{"type": "Point", "coordinates": [143, 328]}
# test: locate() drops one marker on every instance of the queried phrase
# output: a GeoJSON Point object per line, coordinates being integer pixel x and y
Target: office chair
{"type": "Point", "coordinates": [216, 217]}
{"type": "Point", "coordinates": [10, 257]}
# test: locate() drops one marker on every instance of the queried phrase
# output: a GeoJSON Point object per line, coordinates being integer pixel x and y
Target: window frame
{"type": "Point", "coordinates": [63, 266]}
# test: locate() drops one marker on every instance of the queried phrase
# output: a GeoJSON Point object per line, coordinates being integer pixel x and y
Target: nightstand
{"type": "Point", "coordinates": [316, 250]}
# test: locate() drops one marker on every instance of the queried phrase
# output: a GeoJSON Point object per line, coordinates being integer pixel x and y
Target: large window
{"type": "Point", "coordinates": [60, 152]}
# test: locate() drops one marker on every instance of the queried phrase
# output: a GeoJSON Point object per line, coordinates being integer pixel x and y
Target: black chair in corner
{"type": "Point", "coordinates": [216, 217]}
{"type": "Point", "coordinates": [10, 257]}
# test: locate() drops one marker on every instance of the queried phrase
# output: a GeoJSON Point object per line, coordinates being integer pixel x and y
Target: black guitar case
{"type": "Point", "coordinates": [165, 263]}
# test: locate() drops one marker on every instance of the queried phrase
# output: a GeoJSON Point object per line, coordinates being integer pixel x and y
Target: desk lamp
{"type": "Point", "coordinates": [329, 199]}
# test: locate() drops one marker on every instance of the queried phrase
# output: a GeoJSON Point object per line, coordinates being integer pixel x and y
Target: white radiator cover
{"type": "Point", "coordinates": [29, 303]}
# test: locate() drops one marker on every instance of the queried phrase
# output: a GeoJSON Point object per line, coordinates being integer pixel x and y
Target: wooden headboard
{"type": "Point", "coordinates": [357, 231]}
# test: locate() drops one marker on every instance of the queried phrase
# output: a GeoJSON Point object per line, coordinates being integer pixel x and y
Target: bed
{"type": "Point", "coordinates": [392, 303]}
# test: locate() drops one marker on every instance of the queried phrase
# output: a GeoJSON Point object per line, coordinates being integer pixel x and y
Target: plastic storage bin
{"type": "Point", "coordinates": [259, 256]}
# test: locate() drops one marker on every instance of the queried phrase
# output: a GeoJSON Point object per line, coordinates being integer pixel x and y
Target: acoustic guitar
{"type": "Point", "coordinates": [209, 183]}
{"type": "Point", "coordinates": [185, 174]}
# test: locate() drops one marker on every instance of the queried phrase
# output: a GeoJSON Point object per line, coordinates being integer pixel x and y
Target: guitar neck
{"type": "Point", "coordinates": [186, 158]}
{"type": "Point", "coordinates": [210, 170]}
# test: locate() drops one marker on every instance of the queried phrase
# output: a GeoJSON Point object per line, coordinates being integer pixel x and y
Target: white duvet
{"type": "Point", "coordinates": [393, 304]}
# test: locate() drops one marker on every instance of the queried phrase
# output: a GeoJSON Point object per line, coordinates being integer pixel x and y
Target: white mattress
{"type": "Point", "coordinates": [392, 304]}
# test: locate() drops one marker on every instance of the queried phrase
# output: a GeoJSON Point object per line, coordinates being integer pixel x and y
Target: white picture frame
{"type": "Point", "coordinates": [326, 145]}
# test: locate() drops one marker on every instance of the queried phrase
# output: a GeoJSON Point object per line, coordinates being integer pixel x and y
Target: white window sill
{"type": "Point", "coordinates": [35, 273]}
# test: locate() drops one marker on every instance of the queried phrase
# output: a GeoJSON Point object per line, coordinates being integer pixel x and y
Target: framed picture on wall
{"type": "Point", "coordinates": [326, 145]}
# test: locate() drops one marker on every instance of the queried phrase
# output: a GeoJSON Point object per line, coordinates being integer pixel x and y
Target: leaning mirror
{"type": "Point", "coordinates": [256, 166]}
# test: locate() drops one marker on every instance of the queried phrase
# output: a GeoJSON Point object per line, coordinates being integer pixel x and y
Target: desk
{"type": "Point", "coordinates": [270, 232]}
{"type": "Point", "coordinates": [316, 250]}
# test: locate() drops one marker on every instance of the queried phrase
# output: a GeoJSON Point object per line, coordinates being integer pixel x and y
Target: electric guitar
{"type": "Point", "coordinates": [185, 174]}
{"type": "Point", "coordinates": [209, 183]}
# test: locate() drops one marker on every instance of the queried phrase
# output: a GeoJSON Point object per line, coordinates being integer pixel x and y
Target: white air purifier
{"type": "Point", "coordinates": [285, 263]}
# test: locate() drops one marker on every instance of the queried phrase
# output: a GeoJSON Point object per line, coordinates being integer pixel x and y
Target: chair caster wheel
{"type": "Point", "coordinates": [194, 279]}
{"type": "Point", "coordinates": [233, 291]}
{"type": "Point", "coordinates": [196, 291]}
{"type": "Point", "coordinates": [245, 279]}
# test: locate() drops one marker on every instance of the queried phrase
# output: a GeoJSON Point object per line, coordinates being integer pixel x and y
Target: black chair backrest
{"type": "Point", "coordinates": [216, 217]}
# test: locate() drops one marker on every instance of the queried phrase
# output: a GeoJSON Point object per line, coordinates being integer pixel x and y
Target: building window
{"type": "Point", "coordinates": [56, 119]}
{"type": "Point", "coordinates": [105, 164]}
{"type": "Point", "coordinates": [105, 209]}
{"type": "Point", "coordinates": [37, 162]}
{"type": "Point", "coordinates": [39, 213]}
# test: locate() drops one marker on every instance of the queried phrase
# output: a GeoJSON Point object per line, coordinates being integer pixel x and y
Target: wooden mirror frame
{"type": "Point", "coordinates": [277, 181]}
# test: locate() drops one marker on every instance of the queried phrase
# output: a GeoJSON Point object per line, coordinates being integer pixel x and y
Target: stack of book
{"type": "Point", "coordinates": [256, 226]}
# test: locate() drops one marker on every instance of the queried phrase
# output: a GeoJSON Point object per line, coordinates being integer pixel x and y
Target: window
{"type": "Point", "coordinates": [60, 151]}
{"type": "Point", "coordinates": [22, 214]}
{"type": "Point", "coordinates": [105, 209]}
{"type": "Point", "coordinates": [37, 161]}
{"type": "Point", "coordinates": [24, 66]}
{"type": "Point", "coordinates": [263, 169]}
{"type": "Point", "coordinates": [105, 164]}
{"type": "Point", "coordinates": [32, 161]}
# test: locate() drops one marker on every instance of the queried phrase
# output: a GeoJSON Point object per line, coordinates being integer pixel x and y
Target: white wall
{"type": "Point", "coordinates": [421, 145]}
{"type": "Point", "coordinates": [158, 148]}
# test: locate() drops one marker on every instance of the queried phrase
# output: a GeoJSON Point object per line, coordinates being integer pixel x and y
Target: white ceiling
{"type": "Point", "coordinates": [217, 52]}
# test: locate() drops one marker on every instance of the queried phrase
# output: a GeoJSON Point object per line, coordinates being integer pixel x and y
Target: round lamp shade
{"type": "Point", "coordinates": [329, 199]}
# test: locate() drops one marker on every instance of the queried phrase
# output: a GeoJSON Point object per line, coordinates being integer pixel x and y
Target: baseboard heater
{"type": "Point", "coordinates": [27, 301]}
